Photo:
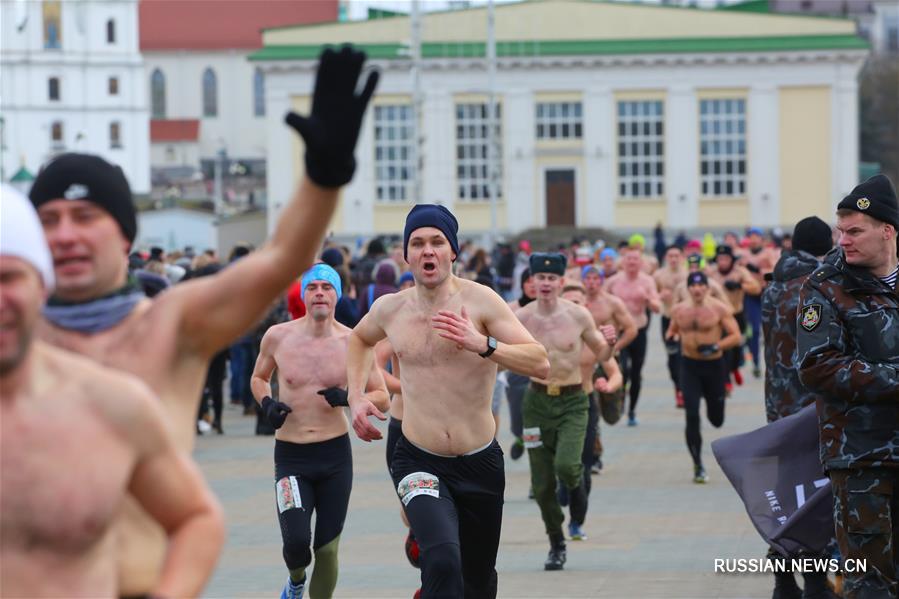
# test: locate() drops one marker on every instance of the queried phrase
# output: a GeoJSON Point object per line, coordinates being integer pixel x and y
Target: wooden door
{"type": "Point", "coordinates": [560, 198]}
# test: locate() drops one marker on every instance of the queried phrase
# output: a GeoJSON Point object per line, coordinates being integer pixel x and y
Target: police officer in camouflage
{"type": "Point", "coordinates": [784, 392]}
{"type": "Point", "coordinates": [848, 338]}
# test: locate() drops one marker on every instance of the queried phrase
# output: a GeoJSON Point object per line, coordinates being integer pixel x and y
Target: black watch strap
{"type": "Point", "coordinates": [491, 347]}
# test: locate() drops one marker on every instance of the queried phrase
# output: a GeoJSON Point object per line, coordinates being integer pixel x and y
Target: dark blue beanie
{"type": "Point", "coordinates": [431, 215]}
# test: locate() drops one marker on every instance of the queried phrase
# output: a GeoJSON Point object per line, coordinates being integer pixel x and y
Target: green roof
{"type": "Point", "coordinates": [756, 6]}
{"type": "Point", "coordinates": [398, 51]}
{"type": "Point", "coordinates": [22, 176]}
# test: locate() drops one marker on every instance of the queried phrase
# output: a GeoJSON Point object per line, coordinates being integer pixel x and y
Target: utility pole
{"type": "Point", "coordinates": [492, 141]}
{"type": "Point", "coordinates": [417, 136]}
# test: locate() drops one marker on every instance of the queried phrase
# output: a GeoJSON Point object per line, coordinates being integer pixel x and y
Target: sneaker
{"type": "Point", "coordinates": [293, 591]}
{"type": "Point", "coordinates": [596, 468]}
{"type": "Point", "coordinates": [679, 399]}
{"type": "Point", "coordinates": [413, 551]}
{"type": "Point", "coordinates": [575, 532]}
{"type": "Point", "coordinates": [556, 558]}
{"type": "Point", "coordinates": [517, 449]}
{"type": "Point", "coordinates": [632, 421]}
{"type": "Point", "coordinates": [699, 475]}
{"type": "Point", "coordinates": [738, 377]}
{"type": "Point", "coordinates": [530, 492]}
{"type": "Point", "coordinates": [757, 372]}
{"type": "Point", "coordinates": [203, 427]}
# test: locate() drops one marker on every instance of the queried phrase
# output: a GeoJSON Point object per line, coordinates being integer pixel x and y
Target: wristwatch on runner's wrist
{"type": "Point", "coordinates": [491, 347]}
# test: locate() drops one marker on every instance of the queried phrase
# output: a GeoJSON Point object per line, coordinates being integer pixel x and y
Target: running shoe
{"type": "Point", "coordinates": [517, 449]}
{"type": "Point", "coordinates": [531, 492]}
{"type": "Point", "coordinates": [738, 377]}
{"type": "Point", "coordinates": [413, 552]}
{"type": "Point", "coordinates": [417, 594]}
{"type": "Point", "coordinates": [596, 468]}
{"type": "Point", "coordinates": [632, 421]}
{"type": "Point", "coordinates": [699, 475]}
{"type": "Point", "coordinates": [575, 532]}
{"type": "Point", "coordinates": [679, 399]}
{"type": "Point", "coordinates": [757, 372]}
{"type": "Point", "coordinates": [556, 558]}
{"type": "Point", "coordinates": [728, 389]}
{"type": "Point", "coordinates": [293, 591]}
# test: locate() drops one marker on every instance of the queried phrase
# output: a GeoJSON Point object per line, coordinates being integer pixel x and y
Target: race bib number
{"type": "Point", "coordinates": [288, 493]}
{"type": "Point", "coordinates": [531, 437]}
{"type": "Point", "coordinates": [418, 483]}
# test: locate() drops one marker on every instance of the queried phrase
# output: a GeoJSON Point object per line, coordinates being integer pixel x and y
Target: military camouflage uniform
{"type": "Point", "coordinates": [848, 340]}
{"type": "Point", "coordinates": [784, 392]}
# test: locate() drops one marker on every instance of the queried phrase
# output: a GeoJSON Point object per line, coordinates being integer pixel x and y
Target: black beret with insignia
{"type": "Point", "coordinates": [552, 263]}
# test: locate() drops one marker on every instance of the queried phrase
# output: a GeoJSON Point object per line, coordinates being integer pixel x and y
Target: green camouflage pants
{"type": "Point", "coordinates": [866, 518]}
{"type": "Point", "coordinates": [554, 431]}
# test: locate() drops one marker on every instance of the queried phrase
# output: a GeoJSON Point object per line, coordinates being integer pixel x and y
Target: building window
{"type": "Point", "coordinates": [157, 94]}
{"type": "Point", "coordinates": [53, 88]}
{"type": "Point", "coordinates": [641, 149]}
{"type": "Point", "coordinates": [559, 120]}
{"type": "Point", "coordinates": [394, 169]}
{"type": "Point", "coordinates": [210, 93]}
{"type": "Point", "coordinates": [258, 93]}
{"type": "Point", "coordinates": [722, 147]}
{"type": "Point", "coordinates": [52, 14]}
{"type": "Point", "coordinates": [113, 86]}
{"type": "Point", "coordinates": [115, 135]}
{"type": "Point", "coordinates": [56, 136]}
{"type": "Point", "coordinates": [110, 31]}
{"type": "Point", "coordinates": [472, 151]}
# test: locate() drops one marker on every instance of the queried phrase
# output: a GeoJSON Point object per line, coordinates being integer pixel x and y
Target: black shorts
{"type": "Point", "coordinates": [394, 430]}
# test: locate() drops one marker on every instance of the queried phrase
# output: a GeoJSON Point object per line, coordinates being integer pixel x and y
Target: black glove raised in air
{"type": "Point", "coordinates": [335, 396]}
{"type": "Point", "coordinates": [709, 350]}
{"type": "Point", "coordinates": [732, 285]}
{"type": "Point", "coordinates": [332, 127]}
{"type": "Point", "coordinates": [275, 411]}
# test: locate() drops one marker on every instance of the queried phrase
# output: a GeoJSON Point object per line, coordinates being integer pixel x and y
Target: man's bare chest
{"type": "Point", "coordinates": [312, 362]}
{"type": "Point", "coordinates": [558, 333]}
{"type": "Point", "coordinates": [698, 319]}
{"type": "Point", "coordinates": [602, 312]}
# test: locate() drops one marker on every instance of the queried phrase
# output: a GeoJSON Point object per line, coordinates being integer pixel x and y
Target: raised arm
{"type": "Point", "coordinates": [516, 349]}
{"type": "Point", "coordinates": [359, 361]}
{"type": "Point", "coordinates": [171, 489]}
{"type": "Point", "coordinates": [249, 285]}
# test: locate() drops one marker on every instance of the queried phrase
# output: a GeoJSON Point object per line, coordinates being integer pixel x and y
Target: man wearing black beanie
{"type": "Point", "coordinates": [848, 353]}
{"type": "Point", "coordinates": [784, 392]}
{"type": "Point", "coordinates": [85, 207]}
{"type": "Point", "coordinates": [449, 334]}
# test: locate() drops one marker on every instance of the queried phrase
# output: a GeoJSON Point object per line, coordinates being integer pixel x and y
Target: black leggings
{"type": "Point", "coordinates": [322, 473]}
{"type": "Point", "coordinates": [632, 358]}
{"type": "Point", "coordinates": [589, 441]}
{"type": "Point", "coordinates": [394, 431]}
{"type": "Point", "coordinates": [734, 357]}
{"type": "Point", "coordinates": [673, 350]}
{"type": "Point", "coordinates": [213, 388]}
{"type": "Point", "coordinates": [701, 378]}
{"type": "Point", "coordinates": [518, 383]}
{"type": "Point", "coordinates": [455, 510]}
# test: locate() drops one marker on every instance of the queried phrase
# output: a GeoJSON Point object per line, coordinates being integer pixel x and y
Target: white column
{"type": "Point", "coordinates": [358, 196]}
{"type": "Point", "coordinates": [763, 155]}
{"type": "Point", "coordinates": [439, 148]}
{"type": "Point", "coordinates": [844, 134]}
{"type": "Point", "coordinates": [599, 155]}
{"type": "Point", "coordinates": [681, 157]}
{"type": "Point", "coordinates": [281, 165]}
{"type": "Point", "coordinates": [518, 160]}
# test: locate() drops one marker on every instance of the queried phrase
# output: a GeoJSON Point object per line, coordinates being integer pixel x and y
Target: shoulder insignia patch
{"type": "Point", "coordinates": [811, 317]}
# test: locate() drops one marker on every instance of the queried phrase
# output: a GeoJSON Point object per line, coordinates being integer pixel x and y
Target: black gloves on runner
{"type": "Point", "coordinates": [707, 351]}
{"type": "Point", "coordinates": [753, 268]}
{"type": "Point", "coordinates": [335, 396]}
{"type": "Point", "coordinates": [732, 285]}
{"type": "Point", "coordinates": [332, 127]}
{"type": "Point", "coordinates": [275, 411]}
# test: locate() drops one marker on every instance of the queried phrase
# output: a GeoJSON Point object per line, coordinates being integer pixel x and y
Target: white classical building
{"type": "Point", "coordinates": [72, 79]}
{"type": "Point", "coordinates": [615, 115]}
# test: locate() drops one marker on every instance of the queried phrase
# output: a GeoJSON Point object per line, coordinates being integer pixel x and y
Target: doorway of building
{"type": "Point", "coordinates": [559, 197]}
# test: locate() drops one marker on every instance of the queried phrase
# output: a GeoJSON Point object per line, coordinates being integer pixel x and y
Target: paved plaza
{"type": "Point", "coordinates": [652, 531]}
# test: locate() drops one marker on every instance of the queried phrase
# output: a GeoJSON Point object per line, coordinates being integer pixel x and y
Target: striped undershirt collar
{"type": "Point", "coordinates": [891, 278]}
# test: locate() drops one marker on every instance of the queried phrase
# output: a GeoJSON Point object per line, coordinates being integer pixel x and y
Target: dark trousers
{"type": "Point", "coordinates": [866, 519]}
{"type": "Point", "coordinates": [455, 510]}
{"type": "Point", "coordinates": [673, 349]}
{"type": "Point", "coordinates": [701, 378]}
{"type": "Point", "coordinates": [213, 390]}
{"type": "Point", "coordinates": [632, 358]}
{"type": "Point", "coordinates": [518, 383]}
{"type": "Point", "coordinates": [590, 441]}
{"type": "Point", "coordinates": [734, 357]}
{"type": "Point", "coordinates": [752, 307]}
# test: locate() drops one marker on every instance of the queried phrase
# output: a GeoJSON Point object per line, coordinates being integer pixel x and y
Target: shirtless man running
{"type": "Point", "coordinates": [555, 408]}
{"type": "Point", "coordinates": [75, 438]}
{"type": "Point", "coordinates": [759, 261]}
{"type": "Point", "coordinates": [313, 460]}
{"type": "Point", "coordinates": [737, 282]}
{"type": "Point", "coordinates": [638, 292]}
{"type": "Point", "coordinates": [89, 219]}
{"type": "Point", "coordinates": [706, 328]}
{"type": "Point", "coordinates": [449, 334]}
{"type": "Point", "coordinates": [667, 279]}
{"type": "Point", "coordinates": [607, 310]}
